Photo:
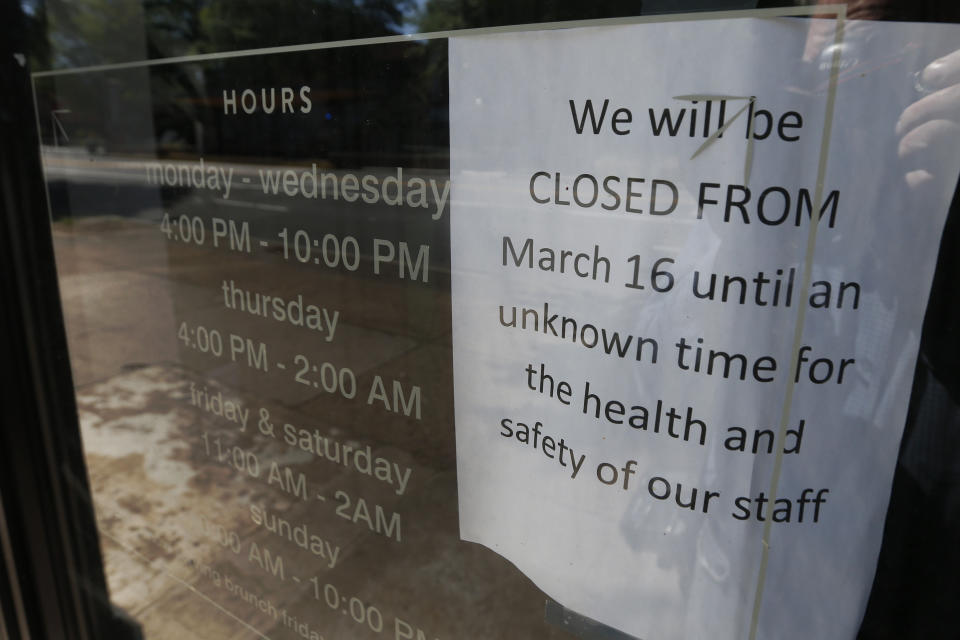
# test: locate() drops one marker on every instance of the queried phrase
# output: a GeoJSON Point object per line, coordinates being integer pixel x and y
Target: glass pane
{"type": "Point", "coordinates": [634, 304]}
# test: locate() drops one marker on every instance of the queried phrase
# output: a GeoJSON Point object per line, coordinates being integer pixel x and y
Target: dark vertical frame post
{"type": "Point", "coordinates": [53, 583]}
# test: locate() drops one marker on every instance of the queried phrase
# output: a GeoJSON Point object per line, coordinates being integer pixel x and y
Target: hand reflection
{"type": "Point", "coordinates": [929, 129]}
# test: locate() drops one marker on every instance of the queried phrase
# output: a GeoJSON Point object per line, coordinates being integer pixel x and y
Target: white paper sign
{"type": "Point", "coordinates": [626, 303]}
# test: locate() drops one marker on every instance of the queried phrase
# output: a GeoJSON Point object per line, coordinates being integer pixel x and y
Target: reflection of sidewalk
{"type": "Point", "coordinates": [159, 493]}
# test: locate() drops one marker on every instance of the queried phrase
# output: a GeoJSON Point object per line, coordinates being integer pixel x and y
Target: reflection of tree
{"type": "Point", "coordinates": [34, 35]}
{"type": "Point", "coordinates": [94, 32]}
{"type": "Point", "coordinates": [246, 24]}
{"type": "Point", "coordinates": [442, 15]}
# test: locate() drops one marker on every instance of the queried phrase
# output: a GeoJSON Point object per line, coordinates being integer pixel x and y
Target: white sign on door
{"type": "Point", "coordinates": [659, 380]}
